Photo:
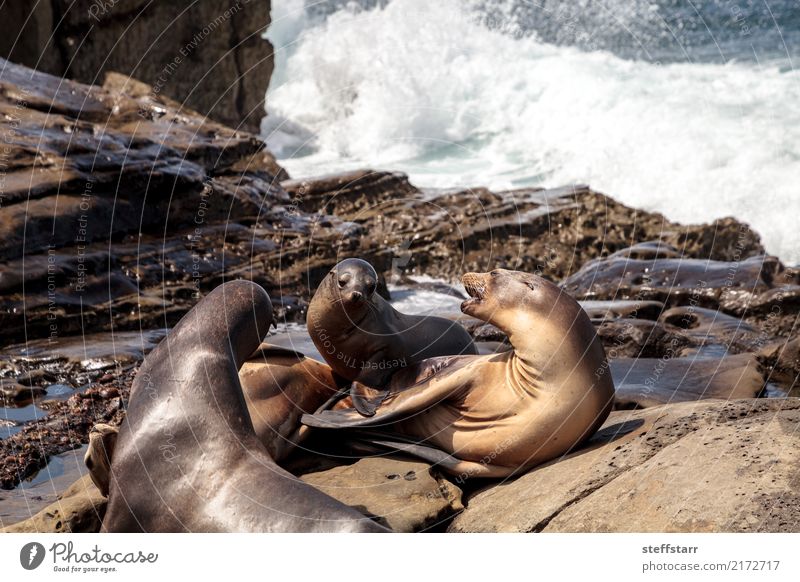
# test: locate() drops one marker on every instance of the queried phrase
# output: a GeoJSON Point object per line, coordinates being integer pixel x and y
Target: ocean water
{"type": "Point", "coordinates": [688, 108]}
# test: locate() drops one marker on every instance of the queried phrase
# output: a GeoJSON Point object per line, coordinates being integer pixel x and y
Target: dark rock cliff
{"type": "Point", "coordinates": [207, 54]}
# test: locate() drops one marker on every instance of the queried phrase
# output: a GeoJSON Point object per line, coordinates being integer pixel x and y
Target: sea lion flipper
{"type": "Point", "coordinates": [437, 457]}
{"type": "Point", "coordinates": [335, 419]}
{"type": "Point", "coordinates": [388, 406]}
{"type": "Point", "coordinates": [366, 400]}
{"type": "Point", "coordinates": [330, 402]}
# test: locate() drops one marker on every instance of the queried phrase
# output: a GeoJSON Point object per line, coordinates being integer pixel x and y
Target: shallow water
{"type": "Point", "coordinates": [43, 488]}
{"type": "Point", "coordinates": [18, 416]}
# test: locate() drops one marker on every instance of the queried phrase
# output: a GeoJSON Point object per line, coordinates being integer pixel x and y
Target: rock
{"type": "Point", "coordinates": [89, 166]}
{"type": "Point", "coordinates": [13, 394]}
{"type": "Point", "coordinates": [781, 361]}
{"type": "Point", "coordinates": [774, 311]}
{"type": "Point", "coordinates": [80, 509]}
{"type": "Point", "coordinates": [599, 311]}
{"type": "Point", "coordinates": [757, 289]}
{"type": "Point", "coordinates": [405, 495]}
{"type": "Point", "coordinates": [707, 327]}
{"type": "Point", "coordinates": [695, 466]}
{"type": "Point", "coordinates": [641, 338]}
{"type": "Point", "coordinates": [90, 351]}
{"type": "Point", "coordinates": [444, 233]}
{"type": "Point", "coordinates": [676, 281]}
{"type": "Point", "coordinates": [35, 377]}
{"type": "Point", "coordinates": [132, 207]}
{"type": "Point", "coordinates": [212, 57]}
{"type": "Point", "coordinates": [644, 382]}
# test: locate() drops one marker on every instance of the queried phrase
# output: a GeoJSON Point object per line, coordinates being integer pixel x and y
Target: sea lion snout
{"type": "Point", "coordinates": [476, 286]}
{"type": "Point", "coordinates": [356, 280]}
{"type": "Point", "coordinates": [356, 297]}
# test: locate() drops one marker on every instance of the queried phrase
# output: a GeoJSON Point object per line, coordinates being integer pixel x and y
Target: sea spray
{"type": "Point", "coordinates": [455, 97]}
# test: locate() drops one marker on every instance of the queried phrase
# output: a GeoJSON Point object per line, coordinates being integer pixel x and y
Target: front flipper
{"type": "Point", "coordinates": [366, 400]}
{"type": "Point", "coordinates": [412, 389]}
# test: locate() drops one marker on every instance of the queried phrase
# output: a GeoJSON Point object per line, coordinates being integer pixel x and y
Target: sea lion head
{"type": "Point", "coordinates": [102, 440]}
{"type": "Point", "coordinates": [353, 281]}
{"type": "Point", "coordinates": [508, 299]}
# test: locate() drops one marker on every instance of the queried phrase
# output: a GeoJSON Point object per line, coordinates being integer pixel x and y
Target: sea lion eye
{"type": "Point", "coordinates": [371, 285]}
{"type": "Point", "coordinates": [343, 280]}
{"type": "Point", "coordinates": [494, 273]}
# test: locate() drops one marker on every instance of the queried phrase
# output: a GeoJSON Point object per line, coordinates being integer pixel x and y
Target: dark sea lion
{"type": "Point", "coordinates": [494, 415]}
{"type": "Point", "coordinates": [280, 385]}
{"type": "Point", "coordinates": [187, 457]}
{"type": "Point", "coordinates": [364, 338]}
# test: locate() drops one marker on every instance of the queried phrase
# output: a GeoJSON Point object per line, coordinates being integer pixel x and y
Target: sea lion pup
{"type": "Point", "coordinates": [187, 457]}
{"type": "Point", "coordinates": [363, 338]}
{"type": "Point", "coordinates": [494, 415]}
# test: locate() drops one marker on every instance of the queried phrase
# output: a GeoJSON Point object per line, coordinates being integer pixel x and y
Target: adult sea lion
{"type": "Point", "coordinates": [187, 457]}
{"type": "Point", "coordinates": [493, 415]}
{"type": "Point", "coordinates": [363, 338]}
{"type": "Point", "coordinates": [279, 386]}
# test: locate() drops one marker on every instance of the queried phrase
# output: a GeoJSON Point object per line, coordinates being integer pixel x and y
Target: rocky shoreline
{"type": "Point", "coordinates": [120, 209]}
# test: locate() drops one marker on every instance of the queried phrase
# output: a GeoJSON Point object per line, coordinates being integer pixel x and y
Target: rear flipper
{"type": "Point", "coordinates": [438, 458]}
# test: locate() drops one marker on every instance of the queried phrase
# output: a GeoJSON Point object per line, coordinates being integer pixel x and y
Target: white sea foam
{"type": "Point", "coordinates": [430, 89]}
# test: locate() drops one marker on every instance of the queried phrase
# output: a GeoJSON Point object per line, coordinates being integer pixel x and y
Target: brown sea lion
{"type": "Point", "coordinates": [187, 457]}
{"type": "Point", "coordinates": [494, 415]}
{"type": "Point", "coordinates": [280, 385]}
{"type": "Point", "coordinates": [102, 440]}
{"type": "Point", "coordinates": [363, 338]}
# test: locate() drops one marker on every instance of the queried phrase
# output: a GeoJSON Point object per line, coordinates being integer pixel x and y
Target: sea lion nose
{"type": "Point", "coordinates": [356, 296]}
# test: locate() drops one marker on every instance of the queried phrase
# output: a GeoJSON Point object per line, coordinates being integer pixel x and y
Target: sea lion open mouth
{"type": "Point", "coordinates": [475, 286]}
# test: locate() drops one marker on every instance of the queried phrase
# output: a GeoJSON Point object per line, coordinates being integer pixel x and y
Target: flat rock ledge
{"type": "Point", "coordinates": [405, 495]}
{"type": "Point", "coordinates": [710, 466]}
{"type": "Point", "coordinates": [80, 509]}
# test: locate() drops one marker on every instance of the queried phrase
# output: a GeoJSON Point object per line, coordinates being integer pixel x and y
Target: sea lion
{"type": "Point", "coordinates": [363, 338]}
{"type": "Point", "coordinates": [187, 457]}
{"type": "Point", "coordinates": [99, 454]}
{"type": "Point", "coordinates": [280, 385]}
{"type": "Point", "coordinates": [494, 415]}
